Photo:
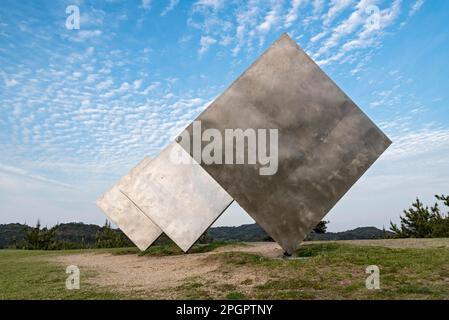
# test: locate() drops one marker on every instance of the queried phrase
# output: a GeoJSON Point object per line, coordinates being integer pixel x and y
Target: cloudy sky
{"type": "Point", "coordinates": [79, 108]}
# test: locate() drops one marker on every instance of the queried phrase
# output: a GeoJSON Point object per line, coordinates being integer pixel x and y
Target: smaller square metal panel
{"type": "Point", "coordinates": [182, 199]}
{"type": "Point", "coordinates": [126, 215]}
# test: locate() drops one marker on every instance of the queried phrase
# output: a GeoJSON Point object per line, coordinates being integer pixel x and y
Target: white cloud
{"type": "Point", "coordinates": [292, 14]}
{"type": "Point", "coordinates": [225, 41]}
{"type": "Point", "coordinates": [318, 36]}
{"type": "Point", "coordinates": [252, 21]}
{"type": "Point", "coordinates": [24, 173]}
{"type": "Point", "coordinates": [318, 6]}
{"type": "Point", "coordinates": [89, 51]}
{"type": "Point", "coordinates": [346, 27]}
{"type": "Point", "coordinates": [271, 18]}
{"type": "Point", "coordinates": [92, 17]}
{"type": "Point", "coordinates": [246, 23]}
{"type": "Point", "coordinates": [151, 87]}
{"type": "Point", "coordinates": [416, 7]}
{"type": "Point", "coordinates": [423, 141]}
{"type": "Point", "coordinates": [336, 7]}
{"type": "Point", "coordinates": [104, 84]}
{"type": "Point", "coordinates": [9, 82]}
{"type": "Point", "coordinates": [86, 34]}
{"type": "Point", "coordinates": [125, 86]}
{"type": "Point", "coordinates": [146, 4]}
{"type": "Point", "coordinates": [171, 5]}
{"type": "Point", "coordinates": [137, 84]}
{"type": "Point", "coordinates": [367, 37]}
{"type": "Point", "coordinates": [215, 4]}
{"type": "Point", "coordinates": [368, 34]}
{"type": "Point", "coordinates": [205, 43]}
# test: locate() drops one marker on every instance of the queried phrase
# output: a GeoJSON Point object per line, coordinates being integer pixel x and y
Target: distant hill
{"type": "Point", "coordinates": [362, 233]}
{"type": "Point", "coordinates": [13, 234]}
{"type": "Point", "coordinates": [252, 232]}
{"type": "Point", "coordinates": [245, 232]}
{"type": "Point", "coordinates": [78, 232]}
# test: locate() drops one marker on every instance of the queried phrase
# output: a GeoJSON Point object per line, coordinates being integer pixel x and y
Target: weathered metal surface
{"type": "Point", "coordinates": [126, 215]}
{"type": "Point", "coordinates": [325, 145]}
{"type": "Point", "coordinates": [182, 199]}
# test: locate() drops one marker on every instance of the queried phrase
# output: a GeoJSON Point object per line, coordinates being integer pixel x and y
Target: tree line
{"type": "Point", "coordinates": [38, 238]}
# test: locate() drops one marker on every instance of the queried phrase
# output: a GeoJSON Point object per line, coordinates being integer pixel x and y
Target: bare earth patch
{"type": "Point", "coordinates": [150, 276]}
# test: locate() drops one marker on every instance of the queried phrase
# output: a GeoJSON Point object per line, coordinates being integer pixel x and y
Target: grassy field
{"type": "Point", "coordinates": [29, 275]}
{"type": "Point", "coordinates": [327, 270]}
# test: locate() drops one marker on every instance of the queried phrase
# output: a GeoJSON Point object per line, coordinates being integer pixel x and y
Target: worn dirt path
{"type": "Point", "coordinates": [155, 276]}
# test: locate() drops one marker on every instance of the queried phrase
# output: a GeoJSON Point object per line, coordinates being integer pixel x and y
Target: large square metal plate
{"type": "Point", "coordinates": [126, 215]}
{"type": "Point", "coordinates": [182, 199]}
{"type": "Point", "coordinates": [325, 142]}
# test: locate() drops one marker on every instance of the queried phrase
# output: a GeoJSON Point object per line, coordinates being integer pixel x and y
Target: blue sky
{"type": "Point", "coordinates": [79, 108]}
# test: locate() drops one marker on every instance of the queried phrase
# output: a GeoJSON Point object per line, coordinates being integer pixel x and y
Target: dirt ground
{"type": "Point", "coordinates": [158, 277]}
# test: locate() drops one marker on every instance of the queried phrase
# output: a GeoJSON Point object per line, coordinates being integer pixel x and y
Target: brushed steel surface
{"type": "Point", "coordinates": [126, 215]}
{"type": "Point", "coordinates": [326, 142]}
{"type": "Point", "coordinates": [182, 199]}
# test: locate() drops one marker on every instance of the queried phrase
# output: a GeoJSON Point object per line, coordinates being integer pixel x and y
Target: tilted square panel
{"type": "Point", "coordinates": [126, 215]}
{"type": "Point", "coordinates": [325, 142]}
{"type": "Point", "coordinates": [182, 199]}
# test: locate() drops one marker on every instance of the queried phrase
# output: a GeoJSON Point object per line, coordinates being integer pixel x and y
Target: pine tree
{"type": "Point", "coordinates": [41, 239]}
{"type": "Point", "coordinates": [420, 221]}
{"type": "Point", "coordinates": [321, 227]}
{"type": "Point", "coordinates": [110, 238]}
